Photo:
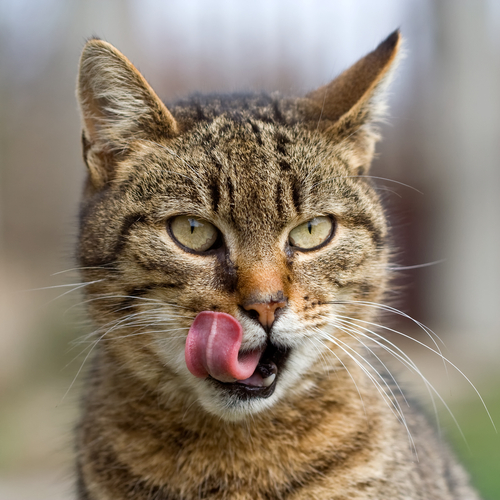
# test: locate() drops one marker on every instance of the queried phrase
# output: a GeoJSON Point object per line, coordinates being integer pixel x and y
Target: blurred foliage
{"type": "Point", "coordinates": [480, 450]}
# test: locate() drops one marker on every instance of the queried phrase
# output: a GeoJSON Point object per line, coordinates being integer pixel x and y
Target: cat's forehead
{"type": "Point", "coordinates": [246, 169]}
{"type": "Point", "coordinates": [248, 174]}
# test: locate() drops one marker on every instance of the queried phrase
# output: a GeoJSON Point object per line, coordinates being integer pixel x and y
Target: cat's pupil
{"type": "Point", "coordinates": [309, 227]}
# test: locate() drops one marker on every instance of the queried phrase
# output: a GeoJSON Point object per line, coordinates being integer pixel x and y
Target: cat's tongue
{"type": "Point", "coordinates": [212, 348]}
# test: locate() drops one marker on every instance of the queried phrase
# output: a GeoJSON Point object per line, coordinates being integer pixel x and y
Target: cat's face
{"type": "Point", "coordinates": [259, 217]}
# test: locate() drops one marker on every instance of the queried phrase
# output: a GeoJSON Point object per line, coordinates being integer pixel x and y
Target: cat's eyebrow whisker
{"type": "Point", "coordinates": [313, 169]}
{"type": "Point", "coordinates": [367, 177]}
{"type": "Point", "coordinates": [388, 190]}
{"type": "Point", "coordinates": [416, 266]}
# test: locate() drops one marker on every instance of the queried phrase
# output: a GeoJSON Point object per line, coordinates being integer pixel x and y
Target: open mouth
{"type": "Point", "coordinates": [262, 383]}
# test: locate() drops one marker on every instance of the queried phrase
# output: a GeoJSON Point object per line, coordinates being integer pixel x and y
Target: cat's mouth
{"type": "Point", "coordinates": [213, 352]}
{"type": "Point", "coordinates": [262, 383]}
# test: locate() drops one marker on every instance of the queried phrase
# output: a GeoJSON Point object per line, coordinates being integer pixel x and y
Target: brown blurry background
{"type": "Point", "coordinates": [442, 139]}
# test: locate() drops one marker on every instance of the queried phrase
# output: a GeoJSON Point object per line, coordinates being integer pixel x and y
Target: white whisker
{"type": "Point", "coordinates": [391, 402]}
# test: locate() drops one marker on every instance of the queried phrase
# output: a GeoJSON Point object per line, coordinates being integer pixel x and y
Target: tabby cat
{"type": "Point", "coordinates": [234, 252]}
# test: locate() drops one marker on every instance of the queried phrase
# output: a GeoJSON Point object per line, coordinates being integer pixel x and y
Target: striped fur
{"type": "Point", "coordinates": [255, 166]}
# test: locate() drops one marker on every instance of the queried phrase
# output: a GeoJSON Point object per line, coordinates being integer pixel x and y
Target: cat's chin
{"type": "Point", "coordinates": [236, 402]}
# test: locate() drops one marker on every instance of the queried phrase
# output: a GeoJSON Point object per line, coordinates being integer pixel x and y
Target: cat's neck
{"type": "Point", "coordinates": [161, 438]}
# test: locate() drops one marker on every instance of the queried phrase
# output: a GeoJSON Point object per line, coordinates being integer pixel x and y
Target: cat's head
{"type": "Point", "coordinates": [228, 240]}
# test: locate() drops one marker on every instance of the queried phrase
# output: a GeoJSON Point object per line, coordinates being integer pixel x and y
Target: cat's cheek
{"type": "Point", "coordinates": [171, 353]}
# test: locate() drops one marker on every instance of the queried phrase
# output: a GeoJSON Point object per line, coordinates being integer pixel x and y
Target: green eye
{"type": "Point", "coordinates": [311, 234]}
{"type": "Point", "coordinates": [194, 233]}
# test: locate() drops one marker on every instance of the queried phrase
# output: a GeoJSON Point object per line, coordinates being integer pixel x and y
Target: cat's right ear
{"type": "Point", "coordinates": [118, 107]}
{"type": "Point", "coordinates": [347, 108]}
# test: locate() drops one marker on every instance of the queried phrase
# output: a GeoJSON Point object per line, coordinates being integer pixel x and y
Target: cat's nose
{"type": "Point", "coordinates": [266, 311]}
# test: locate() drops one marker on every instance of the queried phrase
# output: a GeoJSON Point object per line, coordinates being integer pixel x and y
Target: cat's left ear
{"type": "Point", "coordinates": [347, 107]}
{"type": "Point", "coordinates": [118, 107]}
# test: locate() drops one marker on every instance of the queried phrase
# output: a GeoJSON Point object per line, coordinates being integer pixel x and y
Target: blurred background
{"type": "Point", "coordinates": [442, 139]}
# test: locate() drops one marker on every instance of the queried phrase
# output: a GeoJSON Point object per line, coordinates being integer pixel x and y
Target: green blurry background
{"type": "Point", "coordinates": [443, 139]}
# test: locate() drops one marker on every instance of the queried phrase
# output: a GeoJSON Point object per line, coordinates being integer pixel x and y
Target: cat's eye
{"type": "Point", "coordinates": [312, 234]}
{"type": "Point", "coordinates": [194, 233]}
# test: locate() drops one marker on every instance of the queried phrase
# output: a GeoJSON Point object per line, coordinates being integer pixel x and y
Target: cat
{"type": "Point", "coordinates": [234, 251]}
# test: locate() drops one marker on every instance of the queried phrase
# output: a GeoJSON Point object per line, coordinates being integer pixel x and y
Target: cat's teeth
{"type": "Point", "coordinates": [269, 380]}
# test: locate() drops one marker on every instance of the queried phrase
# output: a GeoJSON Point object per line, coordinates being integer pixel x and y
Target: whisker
{"type": "Point", "coordinates": [392, 403]}
{"type": "Point", "coordinates": [352, 333]}
{"type": "Point", "coordinates": [82, 268]}
{"type": "Point", "coordinates": [125, 297]}
{"type": "Point", "coordinates": [80, 286]}
{"type": "Point", "coordinates": [76, 285]}
{"type": "Point", "coordinates": [445, 361]}
{"type": "Point", "coordinates": [417, 266]}
{"type": "Point", "coordinates": [148, 332]}
{"type": "Point", "coordinates": [335, 339]}
{"type": "Point", "coordinates": [345, 368]}
{"type": "Point", "coordinates": [398, 354]}
{"type": "Point", "coordinates": [367, 177]}
{"type": "Point", "coordinates": [393, 310]}
{"type": "Point", "coordinates": [407, 361]}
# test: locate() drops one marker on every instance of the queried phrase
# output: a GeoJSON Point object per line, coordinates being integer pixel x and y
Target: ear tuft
{"type": "Point", "coordinates": [118, 107]}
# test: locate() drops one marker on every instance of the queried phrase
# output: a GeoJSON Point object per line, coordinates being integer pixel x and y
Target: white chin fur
{"type": "Point", "coordinates": [292, 381]}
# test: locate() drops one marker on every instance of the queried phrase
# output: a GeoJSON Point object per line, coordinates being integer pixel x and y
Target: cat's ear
{"type": "Point", "coordinates": [118, 107]}
{"type": "Point", "coordinates": [347, 107]}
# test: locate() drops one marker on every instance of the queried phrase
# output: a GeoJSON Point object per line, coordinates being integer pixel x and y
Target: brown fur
{"type": "Point", "coordinates": [255, 166]}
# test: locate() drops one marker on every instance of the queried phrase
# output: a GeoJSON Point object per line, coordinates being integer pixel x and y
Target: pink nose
{"type": "Point", "coordinates": [266, 312]}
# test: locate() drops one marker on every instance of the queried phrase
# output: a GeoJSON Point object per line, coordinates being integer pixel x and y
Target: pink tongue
{"type": "Point", "coordinates": [212, 348]}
